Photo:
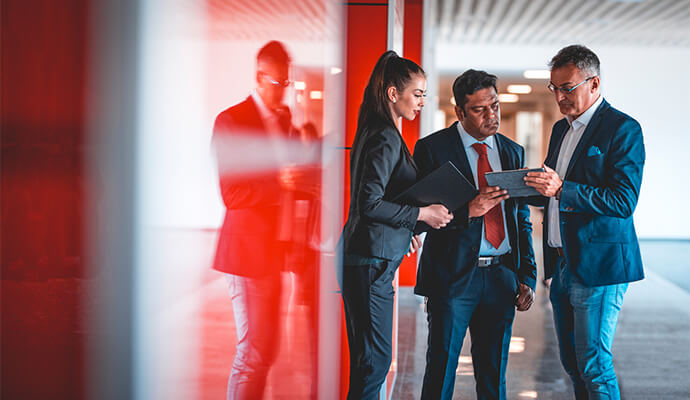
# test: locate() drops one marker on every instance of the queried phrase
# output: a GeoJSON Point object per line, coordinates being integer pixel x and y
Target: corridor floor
{"type": "Point", "coordinates": [190, 333]}
{"type": "Point", "coordinates": [651, 346]}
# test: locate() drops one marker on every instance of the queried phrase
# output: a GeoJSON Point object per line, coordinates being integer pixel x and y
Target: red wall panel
{"type": "Point", "coordinates": [412, 49]}
{"type": "Point", "coordinates": [42, 95]}
{"type": "Point", "coordinates": [366, 40]}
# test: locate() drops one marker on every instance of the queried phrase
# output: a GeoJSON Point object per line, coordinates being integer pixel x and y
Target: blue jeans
{"type": "Point", "coordinates": [256, 306]}
{"type": "Point", "coordinates": [585, 319]}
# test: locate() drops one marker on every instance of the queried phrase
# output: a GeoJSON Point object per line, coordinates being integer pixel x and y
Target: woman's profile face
{"type": "Point", "coordinates": [408, 103]}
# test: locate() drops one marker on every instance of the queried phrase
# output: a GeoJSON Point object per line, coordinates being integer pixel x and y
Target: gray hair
{"type": "Point", "coordinates": [583, 58]}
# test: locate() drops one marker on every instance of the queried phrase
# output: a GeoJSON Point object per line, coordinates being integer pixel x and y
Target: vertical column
{"type": "Point", "coordinates": [111, 238]}
{"type": "Point", "coordinates": [412, 49]}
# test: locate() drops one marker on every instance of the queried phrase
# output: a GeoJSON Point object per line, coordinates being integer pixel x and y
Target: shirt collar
{"type": "Point", "coordinates": [586, 116]}
{"type": "Point", "coordinates": [468, 140]}
{"type": "Point", "coordinates": [266, 113]}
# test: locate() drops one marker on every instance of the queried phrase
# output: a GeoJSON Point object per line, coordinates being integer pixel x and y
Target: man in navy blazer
{"type": "Point", "coordinates": [480, 267]}
{"type": "Point", "coordinates": [256, 242]}
{"type": "Point", "coordinates": [590, 187]}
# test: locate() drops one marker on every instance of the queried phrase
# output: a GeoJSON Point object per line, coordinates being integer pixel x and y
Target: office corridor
{"type": "Point", "coordinates": [651, 347]}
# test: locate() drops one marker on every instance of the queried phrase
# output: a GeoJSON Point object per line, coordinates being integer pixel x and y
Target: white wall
{"type": "Point", "coordinates": [650, 84]}
{"type": "Point", "coordinates": [187, 80]}
{"type": "Point", "coordinates": [176, 173]}
{"type": "Point", "coordinates": [186, 77]}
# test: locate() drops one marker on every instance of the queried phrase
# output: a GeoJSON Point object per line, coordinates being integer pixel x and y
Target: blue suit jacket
{"type": "Point", "coordinates": [450, 253]}
{"type": "Point", "coordinates": [600, 191]}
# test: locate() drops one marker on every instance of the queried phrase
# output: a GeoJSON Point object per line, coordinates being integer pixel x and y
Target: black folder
{"type": "Point", "coordinates": [445, 185]}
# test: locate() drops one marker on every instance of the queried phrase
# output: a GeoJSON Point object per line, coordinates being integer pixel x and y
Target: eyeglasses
{"type": "Point", "coordinates": [553, 88]}
{"type": "Point", "coordinates": [272, 81]}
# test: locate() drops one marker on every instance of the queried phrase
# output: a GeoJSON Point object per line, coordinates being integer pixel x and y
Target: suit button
{"type": "Point", "coordinates": [474, 248]}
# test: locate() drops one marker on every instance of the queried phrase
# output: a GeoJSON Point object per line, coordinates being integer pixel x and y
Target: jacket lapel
{"type": "Point", "coordinates": [458, 155]}
{"type": "Point", "coordinates": [557, 141]}
{"type": "Point", "coordinates": [506, 162]}
{"type": "Point", "coordinates": [587, 135]}
{"type": "Point", "coordinates": [253, 116]}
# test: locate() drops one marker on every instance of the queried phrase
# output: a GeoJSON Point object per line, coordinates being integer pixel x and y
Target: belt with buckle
{"type": "Point", "coordinates": [559, 251]}
{"type": "Point", "coordinates": [490, 261]}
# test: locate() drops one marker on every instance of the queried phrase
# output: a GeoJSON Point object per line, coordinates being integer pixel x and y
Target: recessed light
{"type": "Point", "coordinates": [520, 89]}
{"type": "Point", "coordinates": [508, 98]}
{"type": "Point", "coordinates": [537, 74]}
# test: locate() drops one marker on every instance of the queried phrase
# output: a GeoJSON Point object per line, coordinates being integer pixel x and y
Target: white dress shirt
{"type": "Point", "coordinates": [570, 140]}
{"type": "Point", "coordinates": [269, 118]}
{"type": "Point", "coordinates": [486, 248]}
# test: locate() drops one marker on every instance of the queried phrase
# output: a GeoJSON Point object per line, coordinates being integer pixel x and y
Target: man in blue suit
{"type": "Point", "coordinates": [590, 188]}
{"type": "Point", "coordinates": [480, 267]}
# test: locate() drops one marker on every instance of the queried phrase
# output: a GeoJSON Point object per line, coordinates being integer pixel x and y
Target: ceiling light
{"type": "Point", "coordinates": [336, 70]}
{"type": "Point", "coordinates": [520, 89]}
{"type": "Point", "coordinates": [299, 85]}
{"type": "Point", "coordinates": [537, 74]}
{"type": "Point", "coordinates": [316, 95]}
{"type": "Point", "coordinates": [508, 98]}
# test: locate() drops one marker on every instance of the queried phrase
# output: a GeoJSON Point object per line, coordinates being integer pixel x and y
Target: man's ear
{"type": "Point", "coordinates": [595, 83]}
{"type": "Point", "coordinates": [460, 113]}
{"type": "Point", "coordinates": [392, 94]}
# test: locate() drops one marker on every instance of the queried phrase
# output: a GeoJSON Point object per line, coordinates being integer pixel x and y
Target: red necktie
{"type": "Point", "coordinates": [493, 220]}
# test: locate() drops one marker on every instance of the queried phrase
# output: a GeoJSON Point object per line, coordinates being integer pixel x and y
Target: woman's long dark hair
{"type": "Point", "coordinates": [390, 70]}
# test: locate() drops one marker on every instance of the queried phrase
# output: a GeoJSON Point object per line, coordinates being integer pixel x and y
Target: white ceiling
{"type": "Point", "coordinates": [545, 22]}
{"type": "Point", "coordinates": [285, 20]}
{"type": "Point", "coordinates": [511, 22]}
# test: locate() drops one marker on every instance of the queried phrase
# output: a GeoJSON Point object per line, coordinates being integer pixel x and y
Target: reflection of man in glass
{"type": "Point", "coordinates": [250, 248]}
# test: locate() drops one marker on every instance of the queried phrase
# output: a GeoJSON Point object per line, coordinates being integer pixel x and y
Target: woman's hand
{"type": "Point", "coordinates": [415, 244]}
{"type": "Point", "coordinates": [436, 215]}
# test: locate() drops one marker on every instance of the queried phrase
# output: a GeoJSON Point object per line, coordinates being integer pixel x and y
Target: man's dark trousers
{"type": "Point", "coordinates": [487, 306]}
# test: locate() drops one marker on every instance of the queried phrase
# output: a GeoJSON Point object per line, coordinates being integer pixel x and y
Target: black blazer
{"type": "Point", "coordinates": [450, 254]}
{"type": "Point", "coordinates": [379, 171]}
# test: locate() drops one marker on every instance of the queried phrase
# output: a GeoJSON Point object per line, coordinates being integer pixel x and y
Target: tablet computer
{"type": "Point", "coordinates": [513, 181]}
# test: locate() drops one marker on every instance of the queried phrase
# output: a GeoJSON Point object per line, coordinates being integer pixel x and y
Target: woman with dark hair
{"type": "Point", "coordinates": [378, 232]}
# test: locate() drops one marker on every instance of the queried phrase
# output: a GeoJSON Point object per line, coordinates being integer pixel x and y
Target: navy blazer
{"type": "Point", "coordinates": [450, 254]}
{"type": "Point", "coordinates": [600, 191]}
{"type": "Point", "coordinates": [247, 240]}
{"type": "Point", "coordinates": [380, 169]}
